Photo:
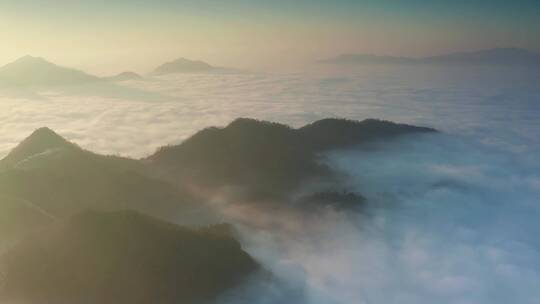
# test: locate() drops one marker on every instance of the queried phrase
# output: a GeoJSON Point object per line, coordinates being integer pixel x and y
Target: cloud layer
{"type": "Point", "coordinates": [452, 218]}
{"type": "Point", "coordinates": [449, 220]}
{"type": "Point", "coordinates": [166, 110]}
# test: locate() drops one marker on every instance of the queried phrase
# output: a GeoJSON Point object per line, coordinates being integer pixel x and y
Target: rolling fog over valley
{"type": "Point", "coordinates": [99, 116]}
{"type": "Point", "coordinates": [269, 152]}
{"type": "Point", "coordinates": [447, 216]}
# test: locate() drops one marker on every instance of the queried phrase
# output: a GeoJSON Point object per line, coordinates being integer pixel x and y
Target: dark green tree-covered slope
{"type": "Point", "coordinates": [265, 157]}
{"type": "Point", "coordinates": [47, 177]}
{"type": "Point", "coordinates": [123, 257]}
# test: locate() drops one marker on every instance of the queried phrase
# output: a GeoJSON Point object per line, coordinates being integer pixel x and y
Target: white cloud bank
{"type": "Point", "coordinates": [449, 220]}
{"type": "Point", "coordinates": [452, 219]}
{"type": "Point", "coordinates": [171, 109]}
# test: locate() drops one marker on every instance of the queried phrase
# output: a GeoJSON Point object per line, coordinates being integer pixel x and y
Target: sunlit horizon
{"type": "Point", "coordinates": [104, 38]}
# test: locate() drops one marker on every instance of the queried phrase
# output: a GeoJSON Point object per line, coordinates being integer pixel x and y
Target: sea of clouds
{"type": "Point", "coordinates": [451, 218]}
{"type": "Point", "coordinates": [134, 118]}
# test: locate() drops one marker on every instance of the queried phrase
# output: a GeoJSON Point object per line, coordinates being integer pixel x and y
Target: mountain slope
{"type": "Point", "coordinates": [266, 158]}
{"type": "Point", "coordinates": [42, 140]}
{"type": "Point", "coordinates": [124, 257]}
{"type": "Point", "coordinates": [35, 71]}
{"type": "Point", "coordinates": [49, 177]}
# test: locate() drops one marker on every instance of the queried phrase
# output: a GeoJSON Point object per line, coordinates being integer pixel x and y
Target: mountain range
{"type": "Point", "coordinates": [35, 71]}
{"type": "Point", "coordinates": [47, 177]}
{"type": "Point", "coordinates": [264, 159]}
{"type": "Point", "coordinates": [76, 225]}
{"type": "Point", "coordinates": [31, 71]}
{"type": "Point", "coordinates": [497, 56]}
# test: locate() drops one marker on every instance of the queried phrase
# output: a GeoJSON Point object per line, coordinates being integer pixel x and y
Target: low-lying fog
{"type": "Point", "coordinates": [452, 217]}
{"type": "Point", "coordinates": [449, 220]}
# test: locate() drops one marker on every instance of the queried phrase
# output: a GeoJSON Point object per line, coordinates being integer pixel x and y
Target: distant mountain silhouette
{"type": "Point", "coordinates": [48, 177]}
{"type": "Point", "coordinates": [123, 258]}
{"type": "Point", "coordinates": [124, 76]}
{"type": "Point", "coordinates": [266, 158]}
{"type": "Point", "coordinates": [35, 71]}
{"type": "Point", "coordinates": [182, 65]}
{"type": "Point", "coordinates": [346, 59]}
{"type": "Point", "coordinates": [79, 227]}
{"type": "Point", "coordinates": [497, 56]}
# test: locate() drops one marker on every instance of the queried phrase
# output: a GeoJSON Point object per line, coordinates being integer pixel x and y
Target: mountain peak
{"type": "Point", "coordinates": [31, 59]}
{"type": "Point", "coordinates": [129, 74]}
{"type": "Point", "coordinates": [40, 141]}
{"type": "Point", "coordinates": [36, 71]}
{"type": "Point", "coordinates": [45, 133]}
{"type": "Point", "coordinates": [124, 76]}
{"type": "Point", "coordinates": [182, 60]}
{"type": "Point", "coordinates": [183, 65]}
{"type": "Point", "coordinates": [29, 64]}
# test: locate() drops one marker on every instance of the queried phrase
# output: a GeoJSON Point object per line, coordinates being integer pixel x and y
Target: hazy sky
{"type": "Point", "coordinates": [111, 36]}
